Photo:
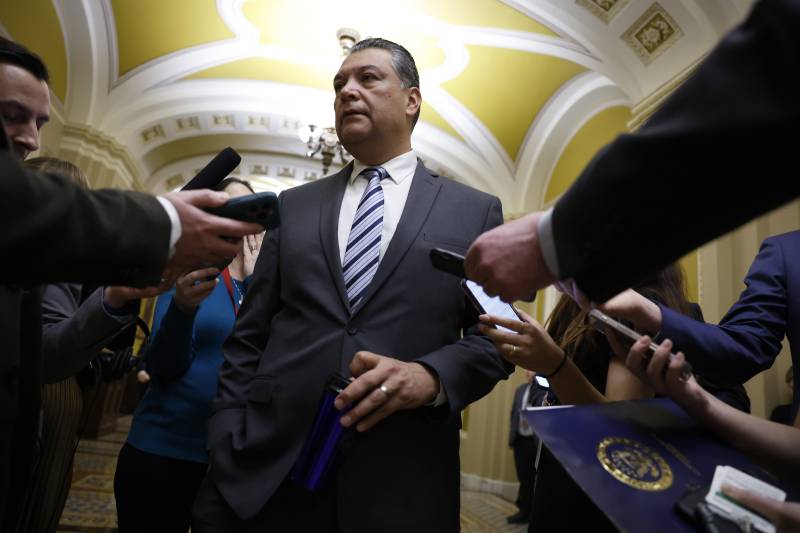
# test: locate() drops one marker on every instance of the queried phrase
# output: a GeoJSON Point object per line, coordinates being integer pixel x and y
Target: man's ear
{"type": "Point", "coordinates": [413, 102]}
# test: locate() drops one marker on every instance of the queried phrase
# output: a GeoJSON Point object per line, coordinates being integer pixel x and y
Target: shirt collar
{"type": "Point", "coordinates": [399, 168]}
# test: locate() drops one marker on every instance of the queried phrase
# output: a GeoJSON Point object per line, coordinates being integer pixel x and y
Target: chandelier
{"type": "Point", "coordinates": [323, 139]}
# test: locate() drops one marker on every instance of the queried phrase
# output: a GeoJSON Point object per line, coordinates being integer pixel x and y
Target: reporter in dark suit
{"type": "Point", "coordinates": [731, 127]}
{"type": "Point", "coordinates": [397, 331]}
{"type": "Point", "coordinates": [748, 338]}
{"type": "Point", "coordinates": [55, 231]}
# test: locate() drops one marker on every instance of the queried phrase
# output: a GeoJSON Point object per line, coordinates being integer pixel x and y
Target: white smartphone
{"type": "Point", "coordinates": [602, 319]}
{"type": "Point", "coordinates": [490, 305]}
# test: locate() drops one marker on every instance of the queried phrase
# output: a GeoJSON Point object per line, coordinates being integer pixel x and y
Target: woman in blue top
{"type": "Point", "coordinates": [164, 459]}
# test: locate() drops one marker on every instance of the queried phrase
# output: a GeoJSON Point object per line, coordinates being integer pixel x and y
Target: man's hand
{"type": "Point", "coordinates": [785, 516]}
{"type": "Point", "coordinates": [508, 260]}
{"type": "Point", "coordinates": [382, 386]}
{"type": "Point", "coordinates": [205, 239]}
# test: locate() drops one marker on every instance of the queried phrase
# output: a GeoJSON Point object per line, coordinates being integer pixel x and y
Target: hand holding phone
{"type": "Point", "coordinates": [261, 208]}
{"type": "Point", "coordinates": [601, 320]}
{"type": "Point", "coordinates": [488, 305]}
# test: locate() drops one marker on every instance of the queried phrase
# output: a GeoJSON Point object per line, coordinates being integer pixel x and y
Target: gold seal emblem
{"type": "Point", "coordinates": [634, 464]}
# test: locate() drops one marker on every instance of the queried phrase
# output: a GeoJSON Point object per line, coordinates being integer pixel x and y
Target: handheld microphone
{"type": "Point", "coordinates": [215, 171]}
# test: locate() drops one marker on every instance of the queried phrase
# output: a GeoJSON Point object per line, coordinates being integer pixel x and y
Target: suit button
{"type": "Point", "coordinates": [352, 330]}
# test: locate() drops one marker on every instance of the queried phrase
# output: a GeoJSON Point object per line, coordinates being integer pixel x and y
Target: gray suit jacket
{"type": "Point", "coordinates": [295, 328]}
{"type": "Point", "coordinates": [73, 333]}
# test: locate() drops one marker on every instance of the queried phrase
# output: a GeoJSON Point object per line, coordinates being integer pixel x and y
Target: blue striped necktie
{"type": "Point", "coordinates": [362, 255]}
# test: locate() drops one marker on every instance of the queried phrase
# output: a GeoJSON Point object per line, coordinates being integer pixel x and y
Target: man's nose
{"type": "Point", "coordinates": [26, 136]}
{"type": "Point", "coordinates": [348, 90]}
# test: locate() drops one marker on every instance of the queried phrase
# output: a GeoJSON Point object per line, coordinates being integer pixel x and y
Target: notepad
{"type": "Point", "coordinates": [732, 510]}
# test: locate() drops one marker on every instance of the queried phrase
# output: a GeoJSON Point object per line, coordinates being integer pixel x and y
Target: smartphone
{"type": "Point", "coordinates": [542, 381]}
{"type": "Point", "coordinates": [490, 305]}
{"type": "Point", "coordinates": [448, 261]}
{"type": "Point", "coordinates": [261, 208]}
{"type": "Point", "coordinates": [601, 320]}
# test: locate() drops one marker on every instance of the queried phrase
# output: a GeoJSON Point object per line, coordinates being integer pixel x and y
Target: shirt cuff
{"type": "Point", "coordinates": [175, 223]}
{"type": "Point", "coordinates": [440, 399]}
{"type": "Point", "coordinates": [547, 242]}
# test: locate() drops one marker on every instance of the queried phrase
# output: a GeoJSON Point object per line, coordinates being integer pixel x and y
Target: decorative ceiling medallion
{"type": "Point", "coordinates": [259, 121]}
{"type": "Point", "coordinates": [652, 34]}
{"type": "Point", "coordinates": [174, 182]}
{"type": "Point", "coordinates": [286, 172]}
{"type": "Point", "coordinates": [605, 10]}
{"type": "Point", "coordinates": [259, 170]}
{"type": "Point", "coordinates": [224, 120]}
{"type": "Point", "coordinates": [187, 123]}
{"type": "Point", "coordinates": [153, 132]}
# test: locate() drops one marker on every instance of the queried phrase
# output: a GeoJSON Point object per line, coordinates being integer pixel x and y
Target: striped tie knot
{"type": "Point", "coordinates": [362, 255]}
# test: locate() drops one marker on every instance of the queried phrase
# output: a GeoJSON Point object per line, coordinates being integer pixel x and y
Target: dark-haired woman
{"type": "Point", "coordinates": [164, 458]}
{"type": "Point", "coordinates": [582, 369]}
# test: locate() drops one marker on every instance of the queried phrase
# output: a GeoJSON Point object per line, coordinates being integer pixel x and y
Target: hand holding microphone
{"type": "Point", "coordinates": [206, 239]}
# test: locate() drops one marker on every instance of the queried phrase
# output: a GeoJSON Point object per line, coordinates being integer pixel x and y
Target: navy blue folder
{"type": "Point", "coordinates": [635, 459]}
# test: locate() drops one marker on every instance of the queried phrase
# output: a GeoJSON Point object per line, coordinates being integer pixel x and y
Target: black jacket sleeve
{"type": "Point", "coordinates": [718, 153]}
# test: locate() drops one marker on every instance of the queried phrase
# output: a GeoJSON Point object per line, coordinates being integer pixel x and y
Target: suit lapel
{"type": "Point", "coordinates": [421, 197]}
{"type": "Point", "coordinates": [330, 205]}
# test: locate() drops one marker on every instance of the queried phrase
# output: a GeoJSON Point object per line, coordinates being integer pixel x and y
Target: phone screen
{"type": "Point", "coordinates": [491, 305]}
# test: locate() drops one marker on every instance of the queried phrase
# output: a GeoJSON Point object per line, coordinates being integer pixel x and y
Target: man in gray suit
{"type": "Point", "coordinates": [346, 285]}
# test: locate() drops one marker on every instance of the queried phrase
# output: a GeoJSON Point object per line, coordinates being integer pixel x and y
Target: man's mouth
{"type": "Point", "coordinates": [352, 113]}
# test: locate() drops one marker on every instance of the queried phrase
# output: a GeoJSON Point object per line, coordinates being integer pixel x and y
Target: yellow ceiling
{"type": "Point", "coordinates": [308, 28]}
{"type": "Point", "coordinates": [506, 89]}
{"type": "Point", "coordinates": [149, 29]}
{"type": "Point", "coordinates": [257, 68]}
{"type": "Point", "coordinates": [35, 24]}
{"type": "Point", "coordinates": [596, 133]}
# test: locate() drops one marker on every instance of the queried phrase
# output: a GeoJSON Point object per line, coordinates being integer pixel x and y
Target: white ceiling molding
{"type": "Point", "coordinates": [563, 116]}
{"type": "Point", "coordinates": [267, 172]}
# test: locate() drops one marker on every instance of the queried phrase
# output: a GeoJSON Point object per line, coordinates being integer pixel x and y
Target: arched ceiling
{"type": "Point", "coordinates": [508, 86]}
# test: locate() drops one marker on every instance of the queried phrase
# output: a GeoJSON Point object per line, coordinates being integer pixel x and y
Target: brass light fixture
{"type": "Point", "coordinates": [323, 139]}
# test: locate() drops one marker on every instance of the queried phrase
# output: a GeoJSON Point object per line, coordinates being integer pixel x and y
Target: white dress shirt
{"type": "Point", "coordinates": [395, 192]}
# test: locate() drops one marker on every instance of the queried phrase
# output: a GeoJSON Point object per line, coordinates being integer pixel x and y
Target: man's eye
{"type": "Point", "coordinates": [11, 116]}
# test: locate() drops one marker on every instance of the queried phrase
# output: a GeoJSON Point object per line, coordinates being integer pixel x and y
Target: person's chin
{"type": "Point", "coordinates": [353, 135]}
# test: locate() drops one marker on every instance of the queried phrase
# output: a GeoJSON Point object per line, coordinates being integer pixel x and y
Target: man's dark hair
{"type": "Point", "coordinates": [230, 180]}
{"type": "Point", "coordinates": [13, 53]}
{"type": "Point", "coordinates": [402, 61]}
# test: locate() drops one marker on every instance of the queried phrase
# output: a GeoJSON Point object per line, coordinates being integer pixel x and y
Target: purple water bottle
{"type": "Point", "coordinates": [321, 448]}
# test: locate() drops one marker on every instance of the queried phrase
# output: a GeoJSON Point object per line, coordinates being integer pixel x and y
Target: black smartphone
{"type": "Point", "coordinates": [448, 261]}
{"type": "Point", "coordinates": [490, 305]}
{"type": "Point", "coordinates": [261, 208]}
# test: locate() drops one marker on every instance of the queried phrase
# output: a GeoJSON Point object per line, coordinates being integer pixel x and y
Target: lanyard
{"type": "Point", "coordinates": [226, 277]}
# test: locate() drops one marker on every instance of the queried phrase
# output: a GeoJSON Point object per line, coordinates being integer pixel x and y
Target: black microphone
{"type": "Point", "coordinates": [215, 171]}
